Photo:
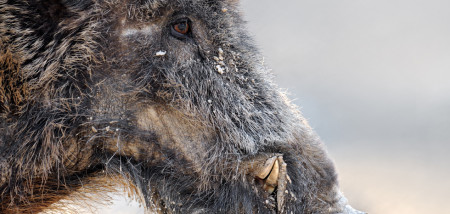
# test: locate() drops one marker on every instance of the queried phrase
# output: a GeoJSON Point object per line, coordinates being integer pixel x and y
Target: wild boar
{"type": "Point", "coordinates": [167, 97]}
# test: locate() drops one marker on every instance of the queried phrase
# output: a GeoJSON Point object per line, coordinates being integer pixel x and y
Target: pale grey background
{"type": "Point", "coordinates": [373, 79]}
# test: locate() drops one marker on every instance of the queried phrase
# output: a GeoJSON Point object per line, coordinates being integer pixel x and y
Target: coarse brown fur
{"type": "Point", "coordinates": [93, 90]}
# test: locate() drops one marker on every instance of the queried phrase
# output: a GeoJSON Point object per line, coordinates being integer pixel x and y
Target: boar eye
{"type": "Point", "coordinates": [181, 29]}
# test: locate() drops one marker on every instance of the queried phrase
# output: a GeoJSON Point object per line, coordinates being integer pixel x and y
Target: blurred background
{"type": "Point", "coordinates": [373, 79]}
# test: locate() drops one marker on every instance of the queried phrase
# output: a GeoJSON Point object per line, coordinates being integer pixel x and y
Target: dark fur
{"type": "Point", "coordinates": [83, 96]}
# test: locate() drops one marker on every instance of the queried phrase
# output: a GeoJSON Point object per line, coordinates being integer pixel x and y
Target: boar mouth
{"type": "Point", "coordinates": [172, 158]}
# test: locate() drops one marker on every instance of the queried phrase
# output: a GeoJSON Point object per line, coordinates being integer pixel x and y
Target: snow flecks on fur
{"type": "Point", "coordinates": [160, 53]}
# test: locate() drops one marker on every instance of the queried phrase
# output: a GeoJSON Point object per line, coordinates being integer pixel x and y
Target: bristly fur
{"type": "Point", "coordinates": [84, 95]}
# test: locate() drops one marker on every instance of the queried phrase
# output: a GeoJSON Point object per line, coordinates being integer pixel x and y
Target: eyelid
{"type": "Point", "coordinates": [179, 20]}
